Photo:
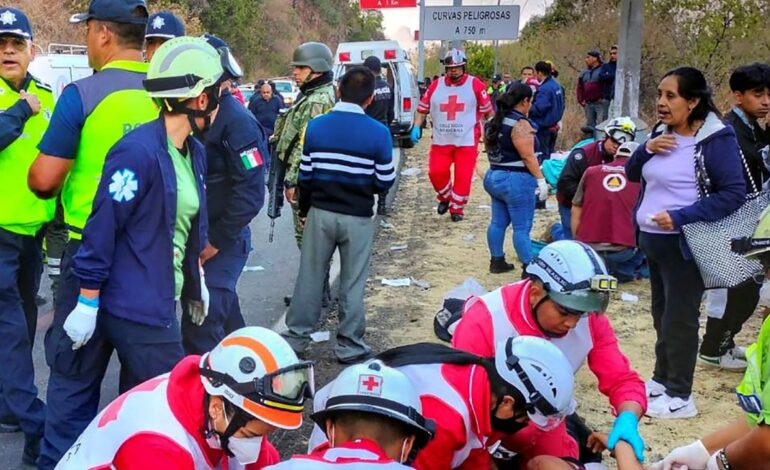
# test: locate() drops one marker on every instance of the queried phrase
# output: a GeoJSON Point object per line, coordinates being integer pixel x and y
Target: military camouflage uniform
{"type": "Point", "coordinates": [290, 128]}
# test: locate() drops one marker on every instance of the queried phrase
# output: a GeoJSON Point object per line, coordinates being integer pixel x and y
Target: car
{"type": "Point", "coordinates": [397, 71]}
{"type": "Point", "coordinates": [247, 89]}
{"type": "Point", "coordinates": [287, 88]}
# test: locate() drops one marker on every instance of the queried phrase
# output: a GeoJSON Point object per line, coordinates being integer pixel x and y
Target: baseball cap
{"type": "Point", "coordinates": [497, 78]}
{"type": "Point", "coordinates": [164, 24]}
{"type": "Point", "coordinates": [594, 53]}
{"type": "Point", "coordinates": [373, 63]}
{"type": "Point", "coordinates": [14, 22]}
{"type": "Point", "coordinates": [118, 11]}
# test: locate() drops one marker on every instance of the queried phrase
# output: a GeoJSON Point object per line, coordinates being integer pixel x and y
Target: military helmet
{"type": "Point", "coordinates": [315, 55]}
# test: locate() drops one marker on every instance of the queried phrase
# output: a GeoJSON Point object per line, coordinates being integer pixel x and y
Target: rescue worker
{"type": "Point", "coordinates": [618, 131]}
{"type": "Point", "coordinates": [470, 397]}
{"type": "Point", "coordinates": [456, 103]}
{"type": "Point", "coordinates": [236, 146]}
{"type": "Point", "coordinates": [209, 412]}
{"type": "Point", "coordinates": [91, 115]}
{"type": "Point", "coordinates": [562, 298]}
{"type": "Point", "coordinates": [26, 105]}
{"type": "Point", "coordinates": [372, 420]}
{"type": "Point", "coordinates": [603, 214]}
{"type": "Point", "coordinates": [496, 89]}
{"type": "Point", "coordinates": [382, 109]}
{"type": "Point", "coordinates": [161, 27]}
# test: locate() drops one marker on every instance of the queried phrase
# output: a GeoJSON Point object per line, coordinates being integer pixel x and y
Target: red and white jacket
{"type": "Point", "coordinates": [360, 454]}
{"type": "Point", "coordinates": [457, 398]}
{"type": "Point", "coordinates": [156, 425]}
{"type": "Point", "coordinates": [505, 312]}
{"type": "Point", "coordinates": [456, 104]}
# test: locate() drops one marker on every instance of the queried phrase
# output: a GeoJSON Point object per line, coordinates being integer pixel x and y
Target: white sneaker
{"type": "Point", "coordinates": [667, 407]}
{"type": "Point", "coordinates": [727, 361]}
{"type": "Point", "coordinates": [739, 352]}
{"type": "Point", "coordinates": [654, 389]}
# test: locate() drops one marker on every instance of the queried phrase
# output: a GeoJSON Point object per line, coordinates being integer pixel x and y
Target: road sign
{"type": "Point", "coordinates": [377, 4]}
{"type": "Point", "coordinates": [472, 22]}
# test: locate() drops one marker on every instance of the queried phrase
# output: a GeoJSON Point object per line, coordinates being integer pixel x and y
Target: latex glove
{"type": "Point", "coordinates": [415, 135]}
{"type": "Point", "coordinates": [626, 428]}
{"type": "Point", "coordinates": [199, 309]}
{"type": "Point", "coordinates": [694, 456]}
{"type": "Point", "coordinates": [713, 463]}
{"type": "Point", "coordinates": [81, 322]}
{"type": "Point", "coordinates": [542, 189]}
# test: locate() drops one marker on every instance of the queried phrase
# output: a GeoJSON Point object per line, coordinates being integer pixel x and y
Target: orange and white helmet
{"type": "Point", "coordinates": [256, 370]}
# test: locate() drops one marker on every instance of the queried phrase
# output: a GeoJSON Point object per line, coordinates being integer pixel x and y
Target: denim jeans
{"type": "Point", "coordinates": [625, 264]}
{"type": "Point", "coordinates": [565, 213]}
{"type": "Point", "coordinates": [513, 203]}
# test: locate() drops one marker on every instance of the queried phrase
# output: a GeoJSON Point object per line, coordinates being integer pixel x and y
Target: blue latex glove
{"type": "Point", "coordinates": [415, 135]}
{"type": "Point", "coordinates": [626, 428]}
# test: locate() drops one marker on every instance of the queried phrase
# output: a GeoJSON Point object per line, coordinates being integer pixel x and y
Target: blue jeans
{"type": "Point", "coordinates": [625, 264]}
{"type": "Point", "coordinates": [513, 203]}
{"type": "Point", "coordinates": [566, 221]}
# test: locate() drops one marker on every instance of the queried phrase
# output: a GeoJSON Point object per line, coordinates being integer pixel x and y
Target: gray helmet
{"type": "Point", "coordinates": [315, 55]}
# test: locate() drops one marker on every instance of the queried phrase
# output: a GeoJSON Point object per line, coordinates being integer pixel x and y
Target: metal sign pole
{"type": "Point", "coordinates": [421, 43]}
{"type": "Point", "coordinates": [626, 102]}
{"type": "Point", "coordinates": [457, 44]}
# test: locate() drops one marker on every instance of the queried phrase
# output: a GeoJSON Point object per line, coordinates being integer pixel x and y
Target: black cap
{"type": "Point", "coordinates": [497, 78]}
{"type": "Point", "coordinates": [118, 11]}
{"type": "Point", "coordinates": [14, 22]}
{"type": "Point", "coordinates": [594, 53]}
{"type": "Point", "coordinates": [373, 63]}
{"type": "Point", "coordinates": [165, 25]}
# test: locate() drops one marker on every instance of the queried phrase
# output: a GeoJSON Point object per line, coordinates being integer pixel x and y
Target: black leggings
{"type": "Point", "coordinates": [677, 288]}
{"type": "Point", "coordinates": [720, 333]}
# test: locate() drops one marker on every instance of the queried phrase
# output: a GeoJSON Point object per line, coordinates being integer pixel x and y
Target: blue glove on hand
{"type": "Point", "coordinates": [415, 135]}
{"type": "Point", "coordinates": [626, 428]}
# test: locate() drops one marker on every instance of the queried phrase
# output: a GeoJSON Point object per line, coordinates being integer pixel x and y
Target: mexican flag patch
{"type": "Point", "coordinates": [251, 158]}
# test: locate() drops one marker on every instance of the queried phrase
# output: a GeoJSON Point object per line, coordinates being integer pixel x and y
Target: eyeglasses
{"type": "Point", "coordinates": [17, 43]}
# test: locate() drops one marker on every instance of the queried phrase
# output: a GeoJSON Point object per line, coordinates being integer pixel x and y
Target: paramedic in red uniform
{"type": "Point", "coordinates": [562, 299]}
{"type": "Point", "coordinates": [457, 102]}
{"type": "Point", "coordinates": [209, 412]}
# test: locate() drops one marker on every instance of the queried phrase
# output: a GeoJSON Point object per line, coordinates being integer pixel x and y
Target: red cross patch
{"type": "Point", "coordinates": [451, 108]}
{"type": "Point", "coordinates": [370, 385]}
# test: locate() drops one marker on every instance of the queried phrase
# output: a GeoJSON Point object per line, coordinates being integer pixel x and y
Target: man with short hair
{"type": "Point", "coordinates": [607, 76]}
{"type": "Point", "coordinates": [265, 106]}
{"type": "Point", "coordinates": [161, 27]}
{"type": "Point", "coordinates": [340, 173]}
{"type": "Point", "coordinates": [27, 104]}
{"type": "Point", "coordinates": [527, 72]}
{"type": "Point", "coordinates": [91, 115]}
{"type": "Point", "coordinates": [547, 108]}
{"type": "Point", "coordinates": [590, 90]}
{"type": "Point", "coordinates": [506, 79]}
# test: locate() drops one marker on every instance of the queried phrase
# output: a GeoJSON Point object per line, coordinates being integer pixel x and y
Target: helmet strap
{"type": "Point", "coordinates": [179, 107]}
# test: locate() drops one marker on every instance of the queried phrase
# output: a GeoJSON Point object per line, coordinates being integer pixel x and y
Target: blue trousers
{"type": "Point", "coordinates": [222, 274]}
{"type": "Point", "coordinates": [74, 386]}
{"type": "Point", "coordinates": [565, 213]}
{"type": "Point", "coordinates": [625, 264]}
{"type": "Point", "coordinates": [513, 203]}
{"type": "Point", "coordinates": [20, 271]}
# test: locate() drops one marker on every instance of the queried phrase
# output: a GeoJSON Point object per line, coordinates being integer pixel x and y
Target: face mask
{"type": "Point", "coordinates": [246, 451]}
{"type": "Point", "coordinates": [507, 426]}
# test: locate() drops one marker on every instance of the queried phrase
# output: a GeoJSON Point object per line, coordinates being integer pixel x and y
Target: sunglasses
{"type": "Point", "coordinates": [17, 43]}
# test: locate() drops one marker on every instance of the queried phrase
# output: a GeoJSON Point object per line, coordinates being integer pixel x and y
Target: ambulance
{"type": "Point", "coordinates": [60, 65]}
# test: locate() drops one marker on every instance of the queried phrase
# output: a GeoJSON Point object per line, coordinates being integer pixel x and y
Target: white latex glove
{"type": "Point", "coordinates": [199, 309]}
{"type": "Point", "coordinates": [712, 464]}
{"type": "Point", "coordinates": [81, 322]}
{"type": "Point", "coordinates": [692, 456]}
{"type": "Point", "coordinates": [542, 189]}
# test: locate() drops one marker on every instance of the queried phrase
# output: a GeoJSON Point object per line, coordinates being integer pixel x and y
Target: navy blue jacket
{"type": "Point", "coordinates": [548, 107]}
{"type": "Point", "coordinates": [128, 249]}
{"type": "Point", "coordinates": [722, 159]}
{"type": "Point", "coordinates": [607, 77]}
{"type": "Point", "coordinates": [235, 188]}
{"type": "Point", "coordinates": [266, 112]}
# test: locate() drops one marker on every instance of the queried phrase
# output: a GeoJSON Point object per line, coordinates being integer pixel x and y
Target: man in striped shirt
{"type": "Point", "coordinates": [346, 160]}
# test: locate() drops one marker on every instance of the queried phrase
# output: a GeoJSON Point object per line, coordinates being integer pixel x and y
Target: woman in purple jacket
{"type": "Point", "coordinates": [689, 125]}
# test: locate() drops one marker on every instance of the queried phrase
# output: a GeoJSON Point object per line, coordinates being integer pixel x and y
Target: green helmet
{"type": "Point", "coordinates": [315, 55]}
{"type": "Point", "coordinates": [183, 68]}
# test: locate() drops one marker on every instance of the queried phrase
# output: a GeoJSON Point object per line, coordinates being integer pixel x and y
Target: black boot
{"type": "Point", "coordinates": [442, 207]}
{"type": "Point", "coordinates": [31, 450]}
{"type": "Point", "coordinates": [457, 217]}
{"type": "Point", "coordinates": [382, 207]}
{"type": "Point", "coordinates": [498, 265]}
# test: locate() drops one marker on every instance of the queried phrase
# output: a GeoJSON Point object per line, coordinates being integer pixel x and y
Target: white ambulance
{"type": "Point", "coordinates": [61, 65]}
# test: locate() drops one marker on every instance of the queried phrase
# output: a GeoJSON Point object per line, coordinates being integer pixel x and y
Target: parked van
{"type": "Point", "coordinates": [397, 71]}
{"type": "Point", "coordinates": [61, 65]}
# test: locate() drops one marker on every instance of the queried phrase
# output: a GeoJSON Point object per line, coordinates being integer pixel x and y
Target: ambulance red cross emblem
{"type": "Point", "coordinates": [370, 384]}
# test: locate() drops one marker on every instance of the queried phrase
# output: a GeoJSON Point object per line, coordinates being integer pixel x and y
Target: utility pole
{"type": "Point", "coordinates": [626, 102]}
{"type": "Point", "coordinates": [457, 43]}
{"type": "Point", "coordinates": [496, 44]}
{"type": "Point", "coordinates": [421, 42]}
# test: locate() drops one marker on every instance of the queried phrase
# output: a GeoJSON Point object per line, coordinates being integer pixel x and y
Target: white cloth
{"type": "Point", "coordinates": [453, 110]}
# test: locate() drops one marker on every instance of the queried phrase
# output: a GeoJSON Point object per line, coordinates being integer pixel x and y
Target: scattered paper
{"type": "Point", "coordinates": [401, 282]}
{"type": "Point", "coordinates": [485, 206]}
{"type": "Point", "coordinates": [411, 172]}
{"type": "Point", "coordinates": [320, 336]}
{"type": "Point", "coordinates": [247, 269]}
{"type": "Point", "coordinates": [627, 297]}
{"type": "Point", "coordinates": [420, 284]}
{"type": "Point", "coordinates": [385, 225]}
{"type": "Point", "coordinates": [551, 206]}
{"type": "Point", "coordinates": [469, 238]}
{"type": "Point", "coordinates": [399, 247]}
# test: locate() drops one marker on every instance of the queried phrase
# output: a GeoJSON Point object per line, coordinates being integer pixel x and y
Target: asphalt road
{"type": "Point", "coordinates": [261, 292]}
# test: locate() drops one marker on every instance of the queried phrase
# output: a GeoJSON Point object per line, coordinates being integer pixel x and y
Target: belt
{"type": "Point", "coordinates": [515, 169]}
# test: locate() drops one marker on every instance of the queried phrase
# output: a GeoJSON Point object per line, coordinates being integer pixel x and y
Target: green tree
{"type": "Point", "coordinates": [481, 59]}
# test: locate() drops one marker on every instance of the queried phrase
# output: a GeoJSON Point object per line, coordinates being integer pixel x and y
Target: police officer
{"type": "Point", "coordinates": [236, 147]}
{"type": "Point", "coordinates": [161, 27]}
{"type": "Point", "coordinates": [382, 109]}
{"type": "Point", "coordinates": [25, 109]}
{"type": "Point", "coordinates": [91, 115]}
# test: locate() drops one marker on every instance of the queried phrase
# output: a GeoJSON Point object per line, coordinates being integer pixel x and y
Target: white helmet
{"type": "Point", "coordinates": [543, 376]}
{"type": "Point", "coordinates": [574, 276]}
{"type": "Point", "coordinates": [256, 370]}
{"type": "Point", "coordinates": [627, 149]}
{"type": "Point", "coordinates": [621, 129]}
{"type": "Point", "coordinates": [454, 58]}
{"type": "Point", "coordinates": [375, 388]}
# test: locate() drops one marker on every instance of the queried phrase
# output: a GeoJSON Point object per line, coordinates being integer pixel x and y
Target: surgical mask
{"type": "Point", "coordinates": [507, 426]}
{"type": "Point", "coordinates": [245, 450]}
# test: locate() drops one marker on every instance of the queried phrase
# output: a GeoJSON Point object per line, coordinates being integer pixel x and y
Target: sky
{"type": "Point", "coordinates": [400, 23]}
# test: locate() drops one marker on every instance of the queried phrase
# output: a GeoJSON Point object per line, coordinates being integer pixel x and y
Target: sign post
{"type": "Point", "coordinates": [421, 44]}
{"type": "Point", "coordinates": [626, 102]}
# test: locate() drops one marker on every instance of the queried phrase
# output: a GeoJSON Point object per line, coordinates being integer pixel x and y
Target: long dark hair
{"type": "Point", "coordinates": [691, 84]}
{"type": "Point", "coordinates": [505, 103]}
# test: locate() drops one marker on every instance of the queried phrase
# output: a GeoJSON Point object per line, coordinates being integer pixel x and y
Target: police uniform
{"type": "Point", "coordinates": [22, 216]}
{"type": "Point", "coordinates": [236, 149]}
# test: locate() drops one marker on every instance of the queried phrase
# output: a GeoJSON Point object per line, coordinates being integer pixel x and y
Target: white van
{"type": "Point", "coordinates": [61, 65]}
{"type": "Point", "coordinates": [397, 71]}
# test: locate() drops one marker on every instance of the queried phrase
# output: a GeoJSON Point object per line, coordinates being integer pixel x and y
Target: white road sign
{"type": "Point", "coordinates": [472, 22]}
